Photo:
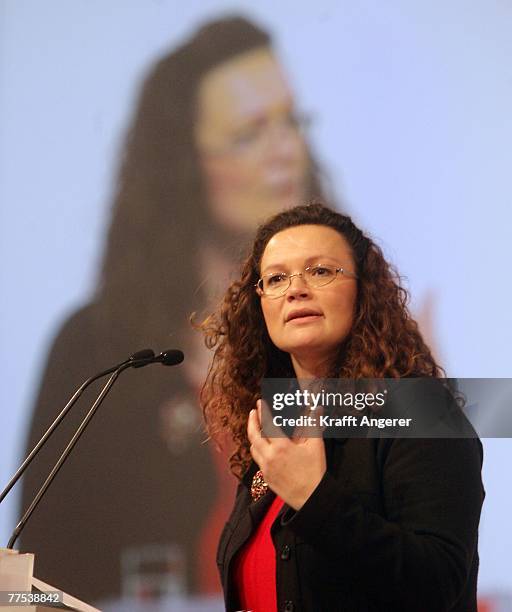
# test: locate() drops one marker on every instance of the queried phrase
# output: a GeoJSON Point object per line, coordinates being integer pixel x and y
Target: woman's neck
{"type": "Point", "coordinates": [310, 367]}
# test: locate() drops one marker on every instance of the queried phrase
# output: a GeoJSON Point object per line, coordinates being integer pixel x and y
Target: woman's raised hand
{"type": "Point", "coordinates": [292, 468]}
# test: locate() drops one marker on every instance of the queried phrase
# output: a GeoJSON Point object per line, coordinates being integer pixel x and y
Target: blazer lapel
{"type": "Point", "coordinates": [246, 517]}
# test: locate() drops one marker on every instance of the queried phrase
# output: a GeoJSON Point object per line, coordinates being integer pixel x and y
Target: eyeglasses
{"type": "Point", "coordinates": [255, 137]}
{"type": "Point", "coordinates": [276, 284]}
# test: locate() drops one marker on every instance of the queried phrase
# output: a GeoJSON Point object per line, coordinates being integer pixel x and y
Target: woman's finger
{"type": "Point", "coordinates": [270, 430]}
{"type": "Point", "coordinates": [254, 428]}
{"type": "Point", "coordinates": [254, 436]}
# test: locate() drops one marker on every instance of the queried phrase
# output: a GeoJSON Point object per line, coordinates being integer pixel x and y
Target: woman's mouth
{"type": "Point", "coordinates": [304, 315]}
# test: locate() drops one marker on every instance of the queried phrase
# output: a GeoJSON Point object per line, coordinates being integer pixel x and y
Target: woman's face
{"type": "Point", "coordinates": [251, 148]}
{"type": "Point", "coordinates": [328, 310]}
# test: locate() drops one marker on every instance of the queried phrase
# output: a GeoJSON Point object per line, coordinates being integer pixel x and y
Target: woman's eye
{"type": "Point", "coordinates": [275, 279]}
{"type": "Point", "coordinates": [246, 138]}
{"type": "Point", "coordinates": [321, 271]}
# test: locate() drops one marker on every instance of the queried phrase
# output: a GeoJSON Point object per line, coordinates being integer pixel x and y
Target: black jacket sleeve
{"type": "Point", "coordinates": [419, 552]}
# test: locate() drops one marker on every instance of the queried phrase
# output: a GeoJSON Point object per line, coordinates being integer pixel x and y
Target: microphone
{"type": "Point", "coordinates": [136, 360]}
{"type": "Point", "coordinates": [169, 357]}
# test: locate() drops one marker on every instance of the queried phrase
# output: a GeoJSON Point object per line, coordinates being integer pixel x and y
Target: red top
{"type": "Point", "coordinates": [255, 566]}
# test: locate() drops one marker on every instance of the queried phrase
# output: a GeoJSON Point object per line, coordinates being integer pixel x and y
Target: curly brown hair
{"type": "Point", "coordinates": [384, 342]}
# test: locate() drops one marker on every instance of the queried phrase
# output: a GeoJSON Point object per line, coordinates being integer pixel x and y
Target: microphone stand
{"type": "Point", "coordinates": [145, 354]}
{"type": "Point", "coordinates": [64, 455]}
{"type": "Point", "coordinates": [137, 360]}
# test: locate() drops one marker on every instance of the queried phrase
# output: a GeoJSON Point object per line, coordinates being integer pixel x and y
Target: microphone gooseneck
{"type": "Point", "coordinates": [139, 359]}
{"type": "Point", "coordinates": [132, 361]}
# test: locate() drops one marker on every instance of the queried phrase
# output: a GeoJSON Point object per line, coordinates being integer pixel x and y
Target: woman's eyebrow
{"type": "Point", "coordinates": [260, 116]}
{"type": "Point", "coordinates": [313, 259]}
{"type": "Point", "coordinates": [319, 259]}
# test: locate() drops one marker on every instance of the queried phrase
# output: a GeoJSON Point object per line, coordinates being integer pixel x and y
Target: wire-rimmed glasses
{"type": "Point", "coordinates": [255, 136]}
{"type": "Point", "coordinates": [276, 284]}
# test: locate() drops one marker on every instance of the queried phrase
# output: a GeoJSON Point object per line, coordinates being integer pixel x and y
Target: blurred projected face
{"type": "Point", "coordinates": [250, 141]}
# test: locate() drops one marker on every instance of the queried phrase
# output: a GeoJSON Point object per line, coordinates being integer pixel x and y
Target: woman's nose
{"type": "Point", "coordinates": [298, 286]}
{"type": "Point", "coordinates": [282, 140]}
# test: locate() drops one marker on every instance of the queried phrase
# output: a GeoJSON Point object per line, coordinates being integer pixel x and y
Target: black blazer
{"type": "Point", "coordinates": [392, 526]}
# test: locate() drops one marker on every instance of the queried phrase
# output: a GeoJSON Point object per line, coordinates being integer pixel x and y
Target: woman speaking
{"type": "Point", "coordinates": [334, 524]}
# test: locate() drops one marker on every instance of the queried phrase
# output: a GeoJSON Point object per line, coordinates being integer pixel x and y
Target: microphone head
{"type": "Point", "coordinates": [170, 357]}
{"type": "Point", "coordinates": [141, 358]}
